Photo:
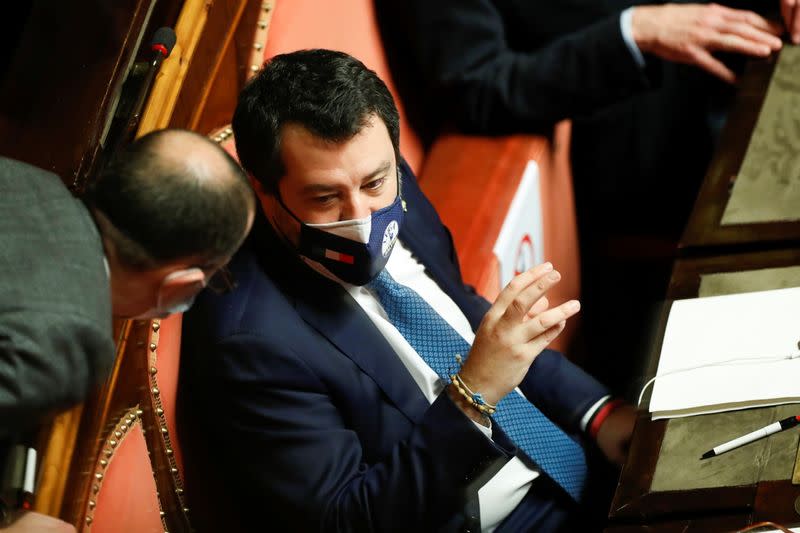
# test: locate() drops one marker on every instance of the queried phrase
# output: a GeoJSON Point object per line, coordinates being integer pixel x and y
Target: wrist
{"type": "Point", "coordinates": [476, 384]}
{"type": "Point", "coordinates": [642, 28]}
{"type": "Point", "coordinates": [466, 407]}
{"type": "Point", "coordinates": [601, 415]}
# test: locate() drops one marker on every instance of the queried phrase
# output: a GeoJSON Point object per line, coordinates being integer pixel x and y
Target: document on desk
{"type": "Point", "coordinates": [722, 353]}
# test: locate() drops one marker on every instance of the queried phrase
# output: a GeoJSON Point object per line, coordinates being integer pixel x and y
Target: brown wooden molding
{"type": "Point", "coordinates": [170, 78]}
{"type": "Point", "coordinates": [111, 444]}
{"type": "Point", "coordinates": [174, 516]}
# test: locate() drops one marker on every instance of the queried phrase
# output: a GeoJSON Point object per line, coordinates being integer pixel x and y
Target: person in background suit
{"type": "Point", "coordinates": [164, 217]}
{"type": "Point", "coordinates": [646, 87]}
{"type": "Point", "coordinates": [314, 389]}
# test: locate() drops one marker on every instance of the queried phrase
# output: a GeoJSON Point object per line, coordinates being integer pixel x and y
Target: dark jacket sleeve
{"type": "Point", "coordinates": [467, 62]}
{"type": "Point", "coordinates": [48, 361]}
{"type": "Point", "coordinates": [285, 438]}
{"type": "Point", "coordinates": [561, 390]}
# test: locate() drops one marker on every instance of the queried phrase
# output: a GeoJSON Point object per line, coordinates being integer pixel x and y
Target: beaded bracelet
{"type": "Point", "coordinates": [474, 398]}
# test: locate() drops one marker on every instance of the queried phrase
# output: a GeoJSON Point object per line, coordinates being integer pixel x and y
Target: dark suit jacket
{"type": "Point", "coordinates": [55, 304]}
{"type": "Point", "coordinates": [311, 416]}
{"type": "Point", "coordinates": [641, 138]}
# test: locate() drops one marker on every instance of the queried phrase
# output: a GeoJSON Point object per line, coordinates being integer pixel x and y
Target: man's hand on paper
{"type": "Point", "coordinates": [614, 436]}
{"type": "Point", "coordinates": [29, 522]}
{"type": "Point", "coordinates": [690, 33]}
{"type": "Point", "coordinates": [514, 331]}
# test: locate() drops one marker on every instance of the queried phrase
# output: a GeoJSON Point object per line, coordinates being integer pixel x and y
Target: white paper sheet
{"type": "Point", "coordinates": [729, 352]}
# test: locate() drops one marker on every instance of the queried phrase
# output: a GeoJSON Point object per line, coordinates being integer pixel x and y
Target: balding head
{"type": "Point", "coordinates": [172, 195]}
{"type": "Point", "coordinates": [190, 156]}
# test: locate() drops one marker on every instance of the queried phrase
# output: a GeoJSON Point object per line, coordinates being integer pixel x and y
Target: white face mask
{"type": "Point", "coordinates": [356, 230]}
{"type": "Point", "coordinates": [166, 308]}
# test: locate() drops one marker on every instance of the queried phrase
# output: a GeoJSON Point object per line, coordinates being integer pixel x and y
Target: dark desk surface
{"type": "Point", "coordinates": [714, 509]}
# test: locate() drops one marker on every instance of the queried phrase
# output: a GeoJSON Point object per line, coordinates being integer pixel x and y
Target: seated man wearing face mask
{"type": "Point", "coordinates": [353, 382]}
{"type": "Point", "coordinates": [161, 220]}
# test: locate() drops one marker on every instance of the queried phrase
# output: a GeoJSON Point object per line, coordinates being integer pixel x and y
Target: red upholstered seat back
{"type": "Point", "coordinates": [346, 25]}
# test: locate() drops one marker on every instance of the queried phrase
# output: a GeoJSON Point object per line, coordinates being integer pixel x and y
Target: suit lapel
{"type": "Point", "coordinates": [428, 251]}
{"type": "Point", "coordinates": [331, 311]}
{"type": "Point", "coordinates": [342, 321]}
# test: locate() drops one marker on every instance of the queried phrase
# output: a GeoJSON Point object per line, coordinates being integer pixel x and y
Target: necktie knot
{"type": "Point", "coordinates": [383, 282]}
{"type": "Point", "coordinates": [389, 292]}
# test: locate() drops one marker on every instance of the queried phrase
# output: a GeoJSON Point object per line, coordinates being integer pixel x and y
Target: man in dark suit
{"type": "Point", "coordinates": [646, 88]}
{"type": "Point", "coordinates": [162, 219]}
{"type": "Point", "coordinates": [350, 383]}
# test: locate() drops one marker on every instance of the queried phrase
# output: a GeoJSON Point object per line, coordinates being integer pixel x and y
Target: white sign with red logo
{"type": "Point", "coordinates": [519, 245]}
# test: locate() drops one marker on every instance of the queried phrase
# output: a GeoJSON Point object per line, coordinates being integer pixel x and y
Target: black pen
{"type": "Point", "coordinates": [775, 427]}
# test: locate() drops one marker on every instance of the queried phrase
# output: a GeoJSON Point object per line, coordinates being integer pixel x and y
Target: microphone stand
{"type": "Point", "coordinates": [133, 95]}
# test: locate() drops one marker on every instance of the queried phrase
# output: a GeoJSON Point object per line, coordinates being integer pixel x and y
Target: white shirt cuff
{"type": "Point", "coordinates": [486, 431]}
{"type": "Point", "coordinates": [591, 411]}
{"type": "Point", "coordinates": [625, 24]}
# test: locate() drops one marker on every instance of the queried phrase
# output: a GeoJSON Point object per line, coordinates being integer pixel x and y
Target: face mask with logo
{"type": "Point", "coordinates": [355, 251]}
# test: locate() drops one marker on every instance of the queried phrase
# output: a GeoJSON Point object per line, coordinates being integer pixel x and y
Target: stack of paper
{"type": "Point", "coordinates": [729, 352]}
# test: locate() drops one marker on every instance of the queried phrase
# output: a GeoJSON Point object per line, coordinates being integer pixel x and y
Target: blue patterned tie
{"type": "Point", "coordinates": [438, 343]}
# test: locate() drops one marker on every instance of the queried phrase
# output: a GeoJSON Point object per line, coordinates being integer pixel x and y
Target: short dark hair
{"type": "Point", "coordinates": [331, 94]}
{"type": "Point", "coordinates": [163, 206]}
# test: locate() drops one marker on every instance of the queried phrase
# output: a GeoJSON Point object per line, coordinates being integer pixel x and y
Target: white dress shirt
{"type": "Point", "coordinates": [626, 26]}
{"type": "Point", "coordinates": [503, 492]}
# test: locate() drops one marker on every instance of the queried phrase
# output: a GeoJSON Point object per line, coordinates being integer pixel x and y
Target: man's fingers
{"type": "Point", "coordinates": [794, 27]}
{"type": "Point", "coordinates": [791, 18]}
{"type": "Point", "coordinates": [539, 307]}
{"type": "Point", "coordinates": [707, 62]}
{"type": "Point", "coordinates": [517, 285]}
{"type": "Point", "coordinates": [545, 321]}
{"type": "Point", "coordinates": [540, 343]}
{"type": "Point", "coordinates": [519, 307]}
{"type": "Point", "coordinates": [753, 35]}
{"type": "Point", "coordinates": [753, 20]}
{"type": "Point", "coordinates": [728, 42]}
{"type": "Point", "coordinates": [787, 12]}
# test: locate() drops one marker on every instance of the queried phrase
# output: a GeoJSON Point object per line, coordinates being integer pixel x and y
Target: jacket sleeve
{"type": "Point", "coordinates": [561, 390]}
{"type": "Point", "coordinates": [282, 434]}
{"type": "Point", "coordinates": [48, 360]}
{"type": "Point", "coordinates": [467, 63]}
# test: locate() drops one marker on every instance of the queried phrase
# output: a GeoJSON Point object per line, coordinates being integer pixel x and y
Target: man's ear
{"type": "Point", "coordinates": [180, 282]}
{"type": "Point", "coordinates": [185, 276]}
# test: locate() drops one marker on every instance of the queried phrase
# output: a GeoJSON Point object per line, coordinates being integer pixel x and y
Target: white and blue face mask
{"type": "Point", "coordinates": [355, 251]}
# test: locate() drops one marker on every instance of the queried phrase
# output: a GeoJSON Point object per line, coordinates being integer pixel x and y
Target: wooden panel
{"type": "Point", "coordinates": [241, 59]}
{"type": "Point", "coordinates": [205, 62]}
{"type": "Point", "coordinates": [61, 86]}
{"type": "Point", "coordinates": [173, 73]}
{"type": "Point", "coordinates": [704, 228]}
{"type": "Point", "coordinates": [100, 414]}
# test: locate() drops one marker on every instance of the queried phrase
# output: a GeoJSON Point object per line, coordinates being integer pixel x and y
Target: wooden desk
{"type": "Point", "coordinates": [636, 507]}
{"type": "Point", "coordinates": [705, 228]}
